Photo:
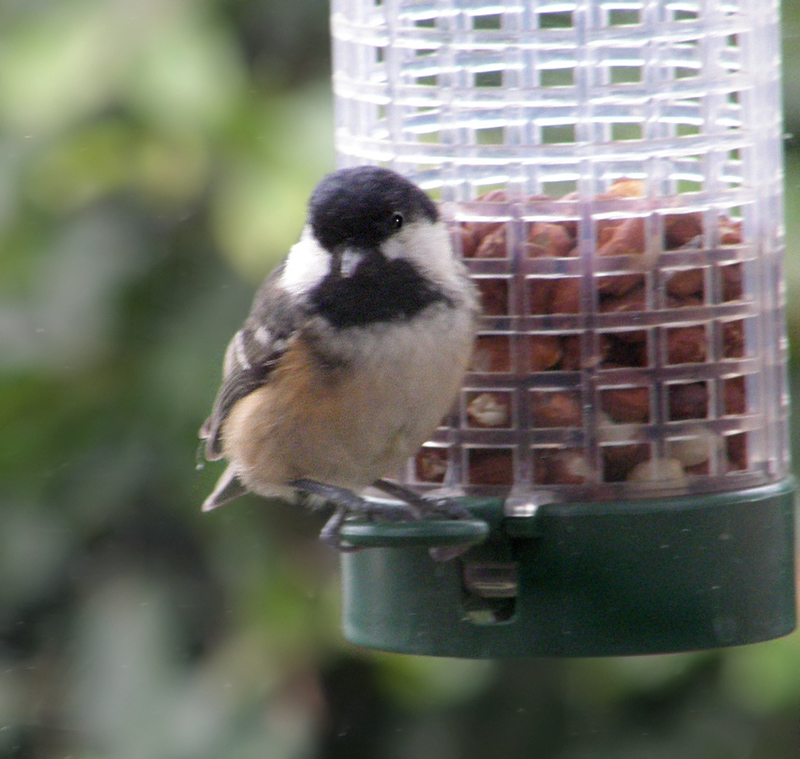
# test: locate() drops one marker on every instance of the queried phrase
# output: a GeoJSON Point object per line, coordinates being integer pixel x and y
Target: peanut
{"type": "Point", "coordinates": [489, 410]}
{"type": "Point", "coordinates": [491, 466]}
{"type": "Point", "coordinates": [626, 404]}
{"type": "Point", "coordinates": [545, 352]}
{"type": "Point", "coordinates": [555, 409]}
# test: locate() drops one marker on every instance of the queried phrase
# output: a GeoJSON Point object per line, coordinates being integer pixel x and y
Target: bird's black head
{"type": "Point", "coordinates": [362, 206]}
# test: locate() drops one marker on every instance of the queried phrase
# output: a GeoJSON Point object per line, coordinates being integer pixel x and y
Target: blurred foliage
{"type": "Point", "coordinates": [155, 160]}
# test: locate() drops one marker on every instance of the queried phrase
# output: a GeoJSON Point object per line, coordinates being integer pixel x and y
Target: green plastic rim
{"type": "Point", "coordinates": [427, 532]}
{"type": "Point", "coordinates": [610, 579]}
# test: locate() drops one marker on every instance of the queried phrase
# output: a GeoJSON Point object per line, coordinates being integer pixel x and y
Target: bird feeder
{"type": "Point", "coordinates": [611, 171]}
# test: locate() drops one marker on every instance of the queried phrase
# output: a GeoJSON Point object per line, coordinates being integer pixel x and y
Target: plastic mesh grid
{"type": "Point", "coordinates": [612, 172]}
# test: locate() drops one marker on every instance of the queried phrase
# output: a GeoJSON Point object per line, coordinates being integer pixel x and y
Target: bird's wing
{"type": "Point", "coordinates": [252, 355]}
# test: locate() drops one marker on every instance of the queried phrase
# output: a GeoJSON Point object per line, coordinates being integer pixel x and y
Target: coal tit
{"type": "Point", "coordinates": [353, 351]}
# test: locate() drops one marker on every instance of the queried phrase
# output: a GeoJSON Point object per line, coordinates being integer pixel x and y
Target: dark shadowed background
{"type": "Point", "coordinates": [155, 160]}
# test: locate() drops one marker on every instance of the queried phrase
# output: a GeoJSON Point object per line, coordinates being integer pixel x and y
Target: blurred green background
{"type": "Point", "coordinates": [155, 160]}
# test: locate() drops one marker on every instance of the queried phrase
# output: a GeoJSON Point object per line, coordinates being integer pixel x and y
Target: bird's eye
{"type": "Point", "coordinates": [397, 220]}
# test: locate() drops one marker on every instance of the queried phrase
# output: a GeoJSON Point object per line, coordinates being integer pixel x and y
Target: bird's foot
{"type": "Point", "coordinates": [347, 502]}
{"type": "Point", "coordinates": [449, 508]}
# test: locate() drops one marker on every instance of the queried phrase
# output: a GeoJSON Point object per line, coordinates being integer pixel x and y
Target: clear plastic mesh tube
{"type": "Point", "coordinates": [612, 172]}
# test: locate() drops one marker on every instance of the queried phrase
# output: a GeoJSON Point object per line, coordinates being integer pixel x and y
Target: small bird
{"type": "Point", "coordinates": [353, 351]}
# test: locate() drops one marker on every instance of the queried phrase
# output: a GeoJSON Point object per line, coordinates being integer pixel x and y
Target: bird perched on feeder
{"type": "Point", "coordinates": [352, 353]}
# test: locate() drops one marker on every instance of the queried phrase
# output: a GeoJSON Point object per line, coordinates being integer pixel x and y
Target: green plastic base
{"type": "Point", "coordinates": [594, 579]}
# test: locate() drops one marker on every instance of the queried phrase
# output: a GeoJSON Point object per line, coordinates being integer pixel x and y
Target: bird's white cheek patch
{"type": "Point", "coordinates": [394, 247]}
{"type": "Point", "coordinates": [307, 264]}
{"type": "Point", "coordinates": [428, 247]}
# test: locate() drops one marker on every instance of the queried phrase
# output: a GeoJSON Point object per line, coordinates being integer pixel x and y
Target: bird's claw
{"type": "Point", "coordinates": [449, 508]}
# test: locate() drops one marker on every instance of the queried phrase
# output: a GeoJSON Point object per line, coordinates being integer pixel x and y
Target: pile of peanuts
{"type": "Point", "coordinates": [624, 457]}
